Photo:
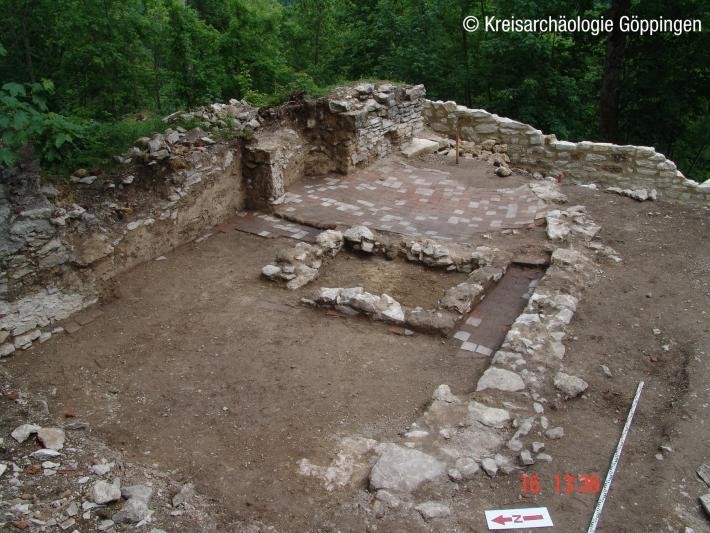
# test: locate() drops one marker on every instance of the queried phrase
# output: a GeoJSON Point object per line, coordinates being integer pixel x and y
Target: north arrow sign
{"type": "Point", "coordinates": [518, 518]}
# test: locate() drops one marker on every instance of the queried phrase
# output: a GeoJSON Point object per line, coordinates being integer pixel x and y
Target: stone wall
{"type": "Point", "coordinates": [628, 167]}
{"type": "Point", "coordinates": [56, 255]}
{"type": "Point", "coordinates": [60, 245]}
{"type": "Point", "coordinates": [379, 118]}
{"type": "Point", "coordinates": [273, 159]}
{"type": "Point", "coordinates": [351, 127]}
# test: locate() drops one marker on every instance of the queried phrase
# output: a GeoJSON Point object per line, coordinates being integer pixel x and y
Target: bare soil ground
{"type": "Point", "coordinates": [408, 283]}
{"type": "Point", "coordinates": [201, 367]}
{"type": "Point", "coordinates": [663, 283]}
{"type": "Point", "coordinates": [205, 370]}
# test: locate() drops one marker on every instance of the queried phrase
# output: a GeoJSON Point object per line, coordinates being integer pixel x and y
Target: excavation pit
{"type": "Point", "coordinates": [196, 367]}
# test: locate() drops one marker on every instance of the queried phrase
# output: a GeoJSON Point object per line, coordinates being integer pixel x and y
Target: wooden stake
{"type": "Point", "coordinates": [458, 139]}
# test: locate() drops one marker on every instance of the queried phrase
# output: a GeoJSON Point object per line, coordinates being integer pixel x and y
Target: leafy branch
{"type": "Point", "coordinates": [26, 120]}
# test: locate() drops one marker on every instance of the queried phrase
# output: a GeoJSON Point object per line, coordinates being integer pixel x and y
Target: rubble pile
{"type": "Point", "coordinates": [489, 150]}
{"type": "Point", "coordinates": [57, 477]}
{"type": "Point", "coordinates": [356, 300]}
{"type": "Point", "coordinates": [237, 115]}
{"type": "Point", "coordinates": [572, 221]}
{"type": "Point", "coordinates": [169, 146]}
{"type": "Point", "coordinates": [548, 191]}
{"type": "Point", "coordinates": [641, 195]}
{"type": "Point", "coordinates": [432, 254]}
{"type": "Point", "coordinates": [362, 239]}
{"type": "Point", "coordinates": [297, 265]}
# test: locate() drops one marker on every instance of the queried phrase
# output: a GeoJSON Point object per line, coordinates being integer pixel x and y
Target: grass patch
{"type": "Point", "coordinates": [104, 140]}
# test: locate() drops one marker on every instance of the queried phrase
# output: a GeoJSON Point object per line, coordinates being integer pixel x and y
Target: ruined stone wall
{"type": "Point", "coordinates": [628, 167]}
{"type": "Point", "coordinates": [59, 245]}
{"type": "Point", "coordinates": [273, 159]}
{"type": "Point", "coordinates": [379, 117]}
{"type": "Point", "coordinates": [351, 127]}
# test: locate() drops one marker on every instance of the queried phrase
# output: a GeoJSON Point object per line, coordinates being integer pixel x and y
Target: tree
{"type": "Point", "coordinates": [612, 74]}
{"type": "Point", "coordinates": [155, 35]}
{"type": "Point", "coordinates": [666, 86]}
{"type": "Point", "coordinates": [196, 69]}
{"type": "Point", "coordinates": [110, 59]}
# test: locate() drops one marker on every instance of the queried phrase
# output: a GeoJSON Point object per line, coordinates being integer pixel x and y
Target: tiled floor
{"type": "Point", "coordinates": [483, 331]}
{"type": "Point", "coordinates": [394, 196]}
{"type": "Point", "coordinates": [269, 226]}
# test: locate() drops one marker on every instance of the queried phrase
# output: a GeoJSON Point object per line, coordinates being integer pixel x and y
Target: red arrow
{"type": "Point", "coordinates": [533, 517]}
{"type": "Point", "coordinates": [500, 519]}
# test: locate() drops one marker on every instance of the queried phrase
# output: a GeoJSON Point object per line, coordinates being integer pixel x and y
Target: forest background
{"type": "Point", "coordinates": [82, 79]}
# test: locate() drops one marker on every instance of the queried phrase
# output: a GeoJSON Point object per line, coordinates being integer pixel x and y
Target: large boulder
{"type": "Point", "coordinates": [572, 386]}
{"type": "Point", "coordinates": [500, 379]}
{"type": "Point", "coordinates": [403, 469]}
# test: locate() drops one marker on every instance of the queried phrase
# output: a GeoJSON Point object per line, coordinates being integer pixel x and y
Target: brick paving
{"type": "Point", "coordinates": [398, 197]}
{"type": "Point", "coordinates": [269, 226]}
{"type": "Point", "coordinates": [483, 331]}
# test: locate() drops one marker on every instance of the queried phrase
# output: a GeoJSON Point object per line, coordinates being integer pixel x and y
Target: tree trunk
{"type": "Point", "coordinates": [157, 82]}
{"type": "Point", "coordinates": [466, 64]}
{"type": "Point", "coordinates": [26, 45]}
{"type": "Point", "coordinates": [612, 75]}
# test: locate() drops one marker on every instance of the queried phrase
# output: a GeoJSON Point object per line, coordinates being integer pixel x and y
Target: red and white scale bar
{"type": "Point", "coordinates": [518, 518]}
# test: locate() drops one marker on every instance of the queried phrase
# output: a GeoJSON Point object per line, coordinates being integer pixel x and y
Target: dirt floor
{"type": "Point", "coordinates": [202, 368]}
{"type": "Point", "coordinates": [408, 283]}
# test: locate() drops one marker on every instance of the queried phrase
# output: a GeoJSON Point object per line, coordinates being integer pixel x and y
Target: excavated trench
{"type": "Point", "coordinates": [195, 379]}
{"type": "Point", "coordinates": [482, 331]}
{"type": "Point", "coordinates": [197, 364]}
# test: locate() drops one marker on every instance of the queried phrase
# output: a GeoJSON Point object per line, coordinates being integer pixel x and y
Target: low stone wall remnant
{"type": "Point", "coordinates": [56, 256]}
{"type": "Point", "coordinates": [627, 167]}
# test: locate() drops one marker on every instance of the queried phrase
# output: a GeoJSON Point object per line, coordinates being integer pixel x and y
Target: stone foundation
{"type": "Point", "coordinates": [60, 245]}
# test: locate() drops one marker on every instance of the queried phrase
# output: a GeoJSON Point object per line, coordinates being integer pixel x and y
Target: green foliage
{"type": "Point", "coordinates": [110, 58]}
{"type": "Point", "coordinates": [193, 57]}
{"type": "Point", "coordinates": [666, 90]}
{"type": "Point", "coordinates": [25, 119]}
